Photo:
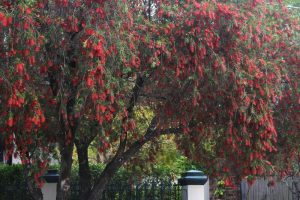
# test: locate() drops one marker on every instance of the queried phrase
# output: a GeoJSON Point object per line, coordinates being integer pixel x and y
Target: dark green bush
{"type": "Point", "coordinates": [13, 186]}
{"type": "Point", "coordinates": [12, 183]}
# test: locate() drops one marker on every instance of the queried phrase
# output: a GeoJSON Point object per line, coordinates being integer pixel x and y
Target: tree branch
{"type": "Point", "coordinates": [35, 192]}
{"type": "Point", "coordinates": [151, 133]}
{"type": "Point", "coordinates": [139, 83]}
{"type": "Point", "coordinates": [118, 160]}
{"type": "Point", "coordinates": [132, 102]}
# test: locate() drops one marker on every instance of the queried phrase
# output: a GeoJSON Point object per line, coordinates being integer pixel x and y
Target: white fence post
{"type": "Point", "coordinates": [195, 185]}
{"type": "Point", "coordinates": [49, 188]}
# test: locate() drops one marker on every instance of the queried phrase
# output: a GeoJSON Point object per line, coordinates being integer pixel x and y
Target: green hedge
{"type": "Point", "coordinates": [11, 177]}
{"type": "Point", "coordinates": [13, 186]}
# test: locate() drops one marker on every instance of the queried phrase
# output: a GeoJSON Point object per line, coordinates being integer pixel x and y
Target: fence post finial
{"type": "Point", "coordinates": [195, 185]}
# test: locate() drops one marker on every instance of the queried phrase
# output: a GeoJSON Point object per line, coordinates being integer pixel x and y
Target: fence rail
{"type": "Point", "coordinates": [154, 189]}
{"type": "Point", "coordinates": [145, 191]}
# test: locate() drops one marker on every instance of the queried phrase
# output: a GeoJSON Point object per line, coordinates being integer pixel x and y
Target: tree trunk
{"type": "Point", "coordinates": [63, 186]}
{"type": "Point", "coordinates": [35, 192]}
{"type": "Point", "coordinates": [119, 159]}
{"type": "Point", "coordinates": [106, 176]}
{"type": "Point", "coordinates": [84, 171]}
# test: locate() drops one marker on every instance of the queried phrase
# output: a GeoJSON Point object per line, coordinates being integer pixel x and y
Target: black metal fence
{"type": "Point", "coordinates": [154, 189]}
{"type": "Point", "coordinates": [151, 189]}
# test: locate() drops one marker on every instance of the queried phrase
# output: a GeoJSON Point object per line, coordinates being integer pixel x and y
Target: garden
{"type": "Point", "coordinates": [118, 99]}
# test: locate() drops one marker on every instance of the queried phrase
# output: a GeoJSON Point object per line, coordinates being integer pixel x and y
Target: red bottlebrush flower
{"type": "Point", "coordinates": [63, 3]}
{"type": "Point", "coordinates": [43, 69]}
{"type": "Point", "coordinates": [112, 98]}
{"type": "Point", "coordinates": [177, 72]}
{"type": "Point", "coordinates": [20, 68]}
{"type": "Point", "coordinates": [197, 5]}
{"type": "Point", "coordinates": [30, 42]}
{"type": "Point", "coordinates": [89, 31]}
{"type": "Point", "coordinates": [9, 20]}
{"type": "Point", "coordinates": [89, 82]}
{"type": "Point", "coordinates": [101, 13]}
{"type": "Point", "coordinates": [271, 183]}
{"type": "Point", "coordinates": [94, 96]}
{"type": "Point", "coordinates": [10, 122]}
{"type": "Point", "coordinates": [228, 182]}
{"type": "Point", "coordinates": [223, 65]}
{"type": "Point", "coordinates": [101, 108]}
{"type": "Point", "coordinates": [4, 22]}
{"type": "Point", "coordinates": [26, 25]}
{"type": "Point", "coordinates": [31, 60]}
{"type": "Point", "coordinates": [192, 48]}
{"type": "Point", "coordinates": [38, 180]}
{"type": "Point", "coordinates": [28, 11]}
{"type": "Point", "coordinates": [2, 15]}
{"type": "Point", "coordinates": [26, 52]}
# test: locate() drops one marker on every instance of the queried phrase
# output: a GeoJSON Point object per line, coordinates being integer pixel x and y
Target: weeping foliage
{"type": "Point", "coordinates": [222, 74]}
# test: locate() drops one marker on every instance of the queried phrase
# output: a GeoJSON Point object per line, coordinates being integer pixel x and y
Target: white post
{"type": "Point", "coordinates": [49, 188]}
{"type": "Point", "coordinates": [195, 185]}
{"type": "Point", "coordinates": [49, 191]}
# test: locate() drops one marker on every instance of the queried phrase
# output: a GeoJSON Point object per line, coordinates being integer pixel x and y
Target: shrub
{"type": "Point", "coordinates": [12, 183]}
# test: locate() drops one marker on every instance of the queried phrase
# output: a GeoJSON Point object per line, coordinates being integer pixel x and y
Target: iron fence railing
{"type": "Point", "coordinates": [154, 189]}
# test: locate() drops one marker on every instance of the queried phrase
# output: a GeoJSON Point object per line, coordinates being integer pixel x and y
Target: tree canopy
{"type": "Point", "coordinates": [222, 73]}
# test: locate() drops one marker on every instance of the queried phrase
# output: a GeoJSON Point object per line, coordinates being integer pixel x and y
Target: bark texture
{"type": "Point", "coordinates": [119, 159]}
{"type": "Point", "coordinates": [84, 171]}
{"type": "Point", "coordinates": [63, 186]}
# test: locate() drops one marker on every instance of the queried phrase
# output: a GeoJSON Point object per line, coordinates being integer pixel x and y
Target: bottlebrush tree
{"type": "Point", "coordinates": [75, 71]}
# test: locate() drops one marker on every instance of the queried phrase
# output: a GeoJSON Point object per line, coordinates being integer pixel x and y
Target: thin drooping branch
{"type": "Point", "coordinates": [82, 143]}
{"type": "Point", "coordinates": [149, 9]}
{"type": "Point", "coordinates": [132, 102]}
{"type": "Point", "coordinates": [35, 192]}
{"type": "Point", "coordinates": [135, 94]}
{"type": "Point", "coordinates": [151, 133]}
{"type": "Point", "coordinates": [119, 159]}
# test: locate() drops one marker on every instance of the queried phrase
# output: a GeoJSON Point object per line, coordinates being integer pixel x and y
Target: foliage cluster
{"type": "Point", "coordinates": [214, 73]}
{"type": "Point", "coordinates": [12, 183]}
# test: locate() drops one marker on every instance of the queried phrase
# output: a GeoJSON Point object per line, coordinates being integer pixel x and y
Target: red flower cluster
{"type": "Point", "coordinates": [5, 20]}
